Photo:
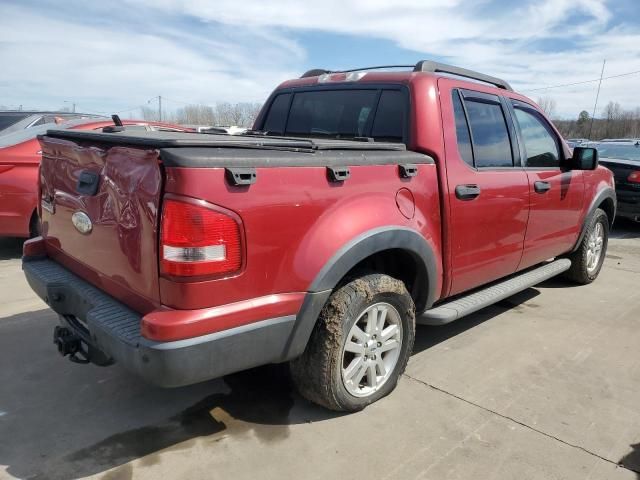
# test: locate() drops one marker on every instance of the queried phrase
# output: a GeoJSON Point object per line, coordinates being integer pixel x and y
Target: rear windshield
{"type": "Point", "coordinates": [6, 120]}
{"type": "Point", "coordinates": [340, 114]}
{"type": "Point", "coordinates": [620, 152]}
{"type": "Point", "coordinates": [26, 134]}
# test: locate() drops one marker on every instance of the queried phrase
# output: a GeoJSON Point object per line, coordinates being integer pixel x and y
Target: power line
{"type": "Point", "coordinates": [583, 82]}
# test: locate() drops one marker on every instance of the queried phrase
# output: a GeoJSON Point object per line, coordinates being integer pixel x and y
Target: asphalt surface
{"type": "Point", "coordinates": [544, 385]}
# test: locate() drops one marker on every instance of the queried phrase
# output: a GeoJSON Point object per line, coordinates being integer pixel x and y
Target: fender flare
{"type": "Point", "coordinates": [347, 257]}
{"type": "Point", "coordinates": [601, 196]}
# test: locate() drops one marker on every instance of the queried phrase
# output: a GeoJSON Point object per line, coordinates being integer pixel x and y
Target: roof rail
{"type": "Point", "coordinates": [436, 67]}
{"type": "Point", "coordinates": [320, 71]}
{"type": "Point", "coordinates": [422, 66]}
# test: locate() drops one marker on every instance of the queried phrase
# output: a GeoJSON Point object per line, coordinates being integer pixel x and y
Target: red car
{"type": "Point", "coordinates": [361, 203]}
{"type": "Point", "coordinates": [19, 161]}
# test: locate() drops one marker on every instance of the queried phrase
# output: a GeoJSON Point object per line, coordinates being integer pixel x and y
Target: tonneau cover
{"type": "Point", "coordinates": [199, 157]}
{"type": "Point", "coordinates": [159, 139]}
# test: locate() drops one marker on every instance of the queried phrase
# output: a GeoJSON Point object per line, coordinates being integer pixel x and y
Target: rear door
{"type": "Point", "coordinates": [557, 194]}
{"type": "Point", "coordinates": [488, 189]}
{"type": "Point", "coordinates": [100, 208]}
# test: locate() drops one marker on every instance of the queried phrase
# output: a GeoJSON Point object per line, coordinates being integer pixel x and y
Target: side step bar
{"type": "Point", "coordinates": [461, 306]}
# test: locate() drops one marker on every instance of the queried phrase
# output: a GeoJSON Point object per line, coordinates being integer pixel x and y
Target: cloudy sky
{"type": "Point", "coordinates": [113, 56]}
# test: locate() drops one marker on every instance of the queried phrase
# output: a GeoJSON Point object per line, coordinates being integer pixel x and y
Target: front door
{"type": "Point", "coordinates": [556, 193]}
{"type": "Point", "coordinates": [488, 189]}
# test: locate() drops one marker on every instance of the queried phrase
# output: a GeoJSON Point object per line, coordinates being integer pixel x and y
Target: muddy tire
{"type": "Point", "coordinates": [587, 260]}
{"type": "Point", "coordinates": [360, 345]}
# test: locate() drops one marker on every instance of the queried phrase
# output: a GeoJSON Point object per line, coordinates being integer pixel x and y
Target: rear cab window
{"type": "Point", "coordinates": [380, 113]}
{"type": "Point", "coordinates": [482, 131]}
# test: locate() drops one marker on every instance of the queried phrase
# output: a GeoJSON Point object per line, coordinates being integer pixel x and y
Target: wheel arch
{"type": "Point", "coordinates": [605, 199]}
{"type": "Point", "coordinates": [381, 245]}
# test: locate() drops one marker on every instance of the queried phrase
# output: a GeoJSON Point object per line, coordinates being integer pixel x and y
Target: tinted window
{"type": "Point", "coordinates": [277, 114]}
{"type": "Point", "coordinates": [491, 146]}
{"type": "Point", "coordinates": [390, 117]}
{"type": "Point", "coordinates": [9, 119]}
{"type": "Point", "coordinates": [334, 113]}
{"type": "Point", "coordinates": [539, 142]}
{"type": "Point", "coordinates": [462, 129]}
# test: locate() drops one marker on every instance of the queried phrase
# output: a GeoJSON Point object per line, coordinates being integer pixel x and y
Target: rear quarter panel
{"type": "Point", "coordinates": [295, 220]}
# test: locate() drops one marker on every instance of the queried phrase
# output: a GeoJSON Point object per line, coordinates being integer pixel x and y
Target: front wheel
{"type": "Point", "coordinates": [360, 345]}
{"type": "Point", "coordinates": [587, 260]}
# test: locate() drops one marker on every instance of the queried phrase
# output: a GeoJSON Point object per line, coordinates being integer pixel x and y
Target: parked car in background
{"type": "Point", "coordinates": [576, 142]}
{"type": "Point", "coordinates": [229, 130]}
{"type": "Point", "coordinates": [13, 121]}
{"type": "Point", "coordinates": [360, 204]}
{"type": "Point", "coordinates": [19, 160]}
{"type": "Point", "coordinates": [624, 161]}
{"type": "Point", "coordinates": [632, 141]}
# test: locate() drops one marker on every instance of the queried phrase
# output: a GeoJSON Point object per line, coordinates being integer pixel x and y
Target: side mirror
{"type": "Point", "coordinates": [584, 158]}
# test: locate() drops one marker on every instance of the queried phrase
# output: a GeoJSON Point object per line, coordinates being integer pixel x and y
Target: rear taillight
{"type": "Point", "coordinates": [198, 239]}
{"type": "Point", "coordinates": [634, 177]}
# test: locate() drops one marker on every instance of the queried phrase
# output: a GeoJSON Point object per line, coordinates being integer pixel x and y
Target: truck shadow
{"type": "Point", "coordinates": [10, 248]}
{"type": "Point", "coordinates": [428, 336]}
{"type": "Point", "coordinates": [631, 461]}
{"type": "Point", "coordinates": [624, 228]}
{"type": "Point", "coordinates": [59, 420]}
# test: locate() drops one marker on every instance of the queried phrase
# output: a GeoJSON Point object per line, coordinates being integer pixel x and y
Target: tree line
{"type": "Point", "coordinates": [614, 122]}
{"type": "Point", "coordinates": [242, 114]}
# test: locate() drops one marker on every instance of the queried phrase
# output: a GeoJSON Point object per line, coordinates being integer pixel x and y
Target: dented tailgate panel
{"type": "Point", "coordinates": [120, 250]}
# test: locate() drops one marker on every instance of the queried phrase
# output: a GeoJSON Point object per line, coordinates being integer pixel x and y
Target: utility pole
{"type": "Point", "coordinates": [160, 107]}
{"type": "Point", "coordinates": [597, 95]}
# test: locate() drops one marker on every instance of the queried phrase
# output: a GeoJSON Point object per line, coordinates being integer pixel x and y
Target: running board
{"type": "Point", "coordinates": [461, 306]}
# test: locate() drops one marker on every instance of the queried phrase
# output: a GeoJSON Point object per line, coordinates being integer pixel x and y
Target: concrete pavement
{"type": "Point", "coordinates": [545, 385]}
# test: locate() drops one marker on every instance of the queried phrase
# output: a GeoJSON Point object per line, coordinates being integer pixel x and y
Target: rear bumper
{"type": "Point", "coordinates": [114, 329]}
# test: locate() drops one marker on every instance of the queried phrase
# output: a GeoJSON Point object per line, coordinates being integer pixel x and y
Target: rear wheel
{"type": "Point", "coordinates": [360, 345]}
{"type": "Point", "coordinates": [587, 260]}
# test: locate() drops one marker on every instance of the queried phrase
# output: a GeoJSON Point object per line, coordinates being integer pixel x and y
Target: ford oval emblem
{"type": "Point", "coordinates": [82, 222]}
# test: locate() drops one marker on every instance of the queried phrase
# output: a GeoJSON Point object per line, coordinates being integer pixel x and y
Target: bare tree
{"type": "Point", "coordinates": [149, 114]}
{"type": "Point", "coordinates": [196, 115]}
{"type": "Point", "coordinates": [548, 105]}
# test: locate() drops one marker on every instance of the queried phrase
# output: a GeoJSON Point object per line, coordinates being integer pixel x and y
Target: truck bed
{"type": "Point", "coordinates": [281, 206]}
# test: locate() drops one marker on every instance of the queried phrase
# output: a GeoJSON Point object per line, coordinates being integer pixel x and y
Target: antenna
{"type": "Point", "coordinates": [597, 95]}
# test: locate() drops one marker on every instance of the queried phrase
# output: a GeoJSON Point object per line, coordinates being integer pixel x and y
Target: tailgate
{"type": "Point", "coordinates": [100, 215]}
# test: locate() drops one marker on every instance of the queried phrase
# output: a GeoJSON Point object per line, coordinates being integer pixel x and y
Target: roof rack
{"type": "Point", "coordinates": [422, 66]}
{"type": "Point", "coordinates": [436, 67]}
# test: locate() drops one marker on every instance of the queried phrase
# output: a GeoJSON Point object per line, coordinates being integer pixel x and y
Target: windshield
{"type": "Point", "coordinates": [8, 119]}
{"type": "Point", "coordinates": [620, 152]}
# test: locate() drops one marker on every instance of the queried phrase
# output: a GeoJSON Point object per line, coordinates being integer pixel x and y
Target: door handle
{"type": "Point", "coordinates": [542, 187]}
{"type": "Point", "coordinates": [467, 192]}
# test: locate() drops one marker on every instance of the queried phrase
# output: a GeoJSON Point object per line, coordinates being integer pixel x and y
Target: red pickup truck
{"type": "Point", "coordinates": [362, 203]}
